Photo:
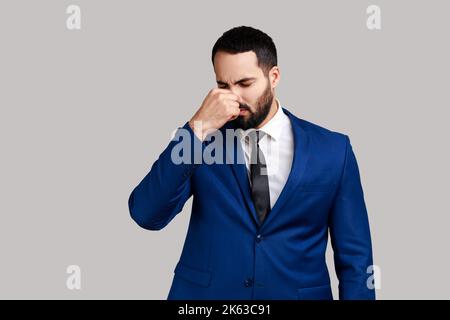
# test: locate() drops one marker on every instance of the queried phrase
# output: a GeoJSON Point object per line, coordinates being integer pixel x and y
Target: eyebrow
{"type": "Point", "coordinates": [239, 81]}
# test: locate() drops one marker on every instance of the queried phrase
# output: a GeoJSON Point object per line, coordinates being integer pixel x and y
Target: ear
{"type": "Point", "coordinates": [274, 76]}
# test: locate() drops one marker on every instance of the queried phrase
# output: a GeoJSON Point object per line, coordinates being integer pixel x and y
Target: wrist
{"type": "Point", "coordinates": [199, 128]}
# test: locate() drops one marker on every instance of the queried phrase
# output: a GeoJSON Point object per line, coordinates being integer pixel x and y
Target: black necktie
{"type": "Point", "coordinates": [258, 177]}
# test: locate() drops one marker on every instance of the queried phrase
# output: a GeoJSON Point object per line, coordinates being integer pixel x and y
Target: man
{"type": "Point", "coordinates": [259, 227]}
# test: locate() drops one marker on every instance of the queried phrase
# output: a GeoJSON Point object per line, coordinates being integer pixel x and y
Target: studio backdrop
{"type": "Point", "coordinates": [91, 92]}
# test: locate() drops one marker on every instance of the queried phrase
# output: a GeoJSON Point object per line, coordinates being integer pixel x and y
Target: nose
{"type": "Point", "coordinates": [237, 92]}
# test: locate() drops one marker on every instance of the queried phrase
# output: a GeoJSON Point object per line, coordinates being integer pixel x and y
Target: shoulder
{"type": "Point", "coordinates": [318, 134]}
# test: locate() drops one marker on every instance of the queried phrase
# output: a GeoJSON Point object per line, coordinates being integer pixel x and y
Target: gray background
{"type": "Point", "coordinates": [85, 113]}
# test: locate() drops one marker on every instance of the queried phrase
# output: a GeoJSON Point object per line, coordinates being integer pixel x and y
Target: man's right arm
{"type": "Point", "coordinates": [161, 195]}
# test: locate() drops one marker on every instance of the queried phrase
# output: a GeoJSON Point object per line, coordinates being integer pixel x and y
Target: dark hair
{"type": "Point", "coordinates": [243, 39]}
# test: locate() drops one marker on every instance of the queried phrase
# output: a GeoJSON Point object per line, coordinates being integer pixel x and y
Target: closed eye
{"type": "Point", "coordinates": [244, 85]}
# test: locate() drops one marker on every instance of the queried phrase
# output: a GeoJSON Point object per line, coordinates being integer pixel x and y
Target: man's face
{"type": "Point", "coordinates": [241, 74]}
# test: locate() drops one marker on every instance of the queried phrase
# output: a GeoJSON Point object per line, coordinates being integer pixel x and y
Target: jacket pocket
{"type": "Point", "coordinates": [315, 293]}
{"type": "Point", "coordinates": [195, 276]}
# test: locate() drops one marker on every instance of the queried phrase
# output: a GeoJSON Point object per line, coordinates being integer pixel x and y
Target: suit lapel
{"type": "Point", "coordinates": [299, 162]}
{"type": "Point", "coordinates": [237, 162]}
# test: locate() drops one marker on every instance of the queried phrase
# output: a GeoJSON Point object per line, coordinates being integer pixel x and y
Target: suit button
{"type": "Point", "coordinates": [248, 282]}
{"type": "Point", "coordinates": [258, 238]}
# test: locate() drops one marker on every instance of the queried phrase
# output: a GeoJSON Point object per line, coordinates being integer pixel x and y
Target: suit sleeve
{"type": "Point", "coordinates": [161, 195]}
{"type": "Point", "coordinates": [350, 233]}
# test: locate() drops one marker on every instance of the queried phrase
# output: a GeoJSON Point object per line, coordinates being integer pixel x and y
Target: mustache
{"type": "Point", "coordinates": [244, 106]}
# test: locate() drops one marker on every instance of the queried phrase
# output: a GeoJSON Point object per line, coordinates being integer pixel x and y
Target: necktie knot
{"type": "Point", "coordinates": [257, 156]}
{"type": "Point", "coordinates": [256, 135]}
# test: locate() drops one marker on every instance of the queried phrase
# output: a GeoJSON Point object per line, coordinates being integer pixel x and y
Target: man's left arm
{"type": "Point", "coordinates": [350, 233]}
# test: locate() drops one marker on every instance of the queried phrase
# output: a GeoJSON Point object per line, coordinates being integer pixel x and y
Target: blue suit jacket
{"type": "Point", "coordinates": [228, 255]}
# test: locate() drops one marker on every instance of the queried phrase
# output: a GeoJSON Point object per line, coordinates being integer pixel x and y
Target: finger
{"type": "Point", "coordinates": [234, 104]}
{"type": "Point", "coordinates": [220, 90]}
{"type": "Point", "coordinates": [231, 96]}
{"type": "Point", "coordinates": [234, 114]}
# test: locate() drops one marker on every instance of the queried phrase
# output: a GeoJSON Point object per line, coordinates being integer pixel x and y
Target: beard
{"type": "Point", "coordinates": [255, 118]}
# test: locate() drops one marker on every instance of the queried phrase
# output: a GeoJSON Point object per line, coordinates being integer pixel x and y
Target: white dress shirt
{"type": "Point", "coordinates": [277, 146]}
